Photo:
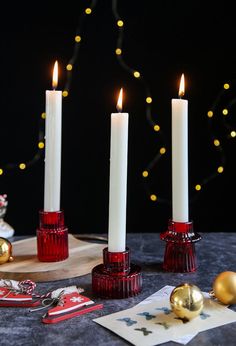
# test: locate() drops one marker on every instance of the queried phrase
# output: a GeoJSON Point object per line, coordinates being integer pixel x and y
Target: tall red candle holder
{"type": "Point", "coordinates": [116, 277]}
{"type": "Point", "coordinates": [180, 254]}
{"type": "Point", "coordinates": [52, 237]}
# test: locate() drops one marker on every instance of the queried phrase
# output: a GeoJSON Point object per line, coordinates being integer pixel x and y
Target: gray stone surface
{"type": "Point", "coordinates": [216, 252]}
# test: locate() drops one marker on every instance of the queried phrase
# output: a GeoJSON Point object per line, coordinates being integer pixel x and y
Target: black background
{"type": "Point", "coordinates": [162, 39]}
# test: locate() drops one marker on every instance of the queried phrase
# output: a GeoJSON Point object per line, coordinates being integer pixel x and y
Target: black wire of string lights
{"type": "Point", "coordinates": [217, 114]}
{"type": "Point", "coordinates": [148, 105]}
{"type": "Point", "coordinates": [78, 38]}
{"type": "Point", "coordinates": [38, 154]}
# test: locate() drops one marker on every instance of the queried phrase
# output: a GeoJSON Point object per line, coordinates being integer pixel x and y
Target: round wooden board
{"type": "Point", "coordinates": [83, 256]}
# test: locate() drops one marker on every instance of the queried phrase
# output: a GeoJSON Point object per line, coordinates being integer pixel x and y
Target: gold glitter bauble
{"type": "Point", "coordinates": [224, 287]}
{"type": "Point", "coordinates": [186, 301]}
{"type": "Point", "coordinates": [5, 250]}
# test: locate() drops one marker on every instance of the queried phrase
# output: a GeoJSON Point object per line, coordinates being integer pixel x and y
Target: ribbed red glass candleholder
{"type": "Point", "coordinates": [180, 254]}
{"type": "Point", "coordinates": [116, 277]}
{"type": "Point", "coordinates": [52, 237]}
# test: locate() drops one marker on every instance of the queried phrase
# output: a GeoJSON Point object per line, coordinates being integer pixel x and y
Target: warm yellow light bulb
{"type": "Point", "coordinates": [88, 10]}
{"type": "Point", "coordinates": [156, 128]}
{"type": "Point", "coordinates": [233, 134]}
{"type": "Point", "coordinates": [148, 99]}
{"type": "Point", "coordinates": [198, 187]}
{"type": "Point", "coordinates": [65, 93]}
{"type": "Point", "coordinates": [22, 165]}
{"type": "Point", "coordinates": [226, 86]}
{"type": "Point", "coordinates": [220, 169]}
{"type": "Point", "coordinates": [1, 171]}
{"type": "Point", "coordinates": [43, 115]}
{"type": "Point", "coordinates": [162, 150]}
{"type": "Point", "coordinates": [225, 111]}
{"type": "Point", "coordinates": [216, 142]}
{"type": "Point", "coordinates": [120, 23]}
{"type": "Point", "coordinates": [136, 74]}
{"type": "Point", "coordinates": [40, 145]}
{"type": "Point", "coordinates": [210, 114]}
{"type": "Point", "coordinates": [118, 51]}
{"type": "Point", "coordinates": [153, 197]}
{"type": "Point", "coordinates": [69, 67]}
{"type": "Point", "coordinates": [77, 38]}
{"type": "Point", "coordinates": [145, 174]}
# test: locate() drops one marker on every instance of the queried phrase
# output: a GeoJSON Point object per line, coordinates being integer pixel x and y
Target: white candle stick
{"type": "Point", "coordinates": [118, 179]}
{"type": "Point", "coordinates": [52, 176]}
{"type": "Point", "coordinates": [180, 208]}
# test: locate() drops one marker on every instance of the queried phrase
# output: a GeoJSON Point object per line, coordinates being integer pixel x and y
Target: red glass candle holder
{"type": "Point", "coordinates": [52, 237]}
{"type": "Point", "coordinates": [180, 255]}
{"type": "Point", "coordinates": [116, 277]}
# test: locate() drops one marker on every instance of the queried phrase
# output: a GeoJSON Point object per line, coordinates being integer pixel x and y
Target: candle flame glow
{"type": "Point", "coordinates": [181, 86]}
{"type": "Point", "coordinates": [119, 102]}
{"type": "Point", "coordinates": [55, 75]}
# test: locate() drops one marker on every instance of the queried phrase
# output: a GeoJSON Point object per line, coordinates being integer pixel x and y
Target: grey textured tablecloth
{"type": "Point", "coordinates": [216, 252]}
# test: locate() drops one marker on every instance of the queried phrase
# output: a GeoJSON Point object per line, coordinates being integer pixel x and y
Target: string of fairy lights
{"type": "Point", "coordinates": [148, 99]}
{"type": "Point", "coordinates": [21, 166]}
{"type": "Point", "coordinates": [162, 149]}
{"type": "Point", "coordinates": [216, 111]}
{"type": "Point", "coordinates": [217, 114]}
{"type": "Point", "coordinates": [214, 115]}
{"type": "Point", "coordinates": [25, 164]}
{"type": "Point", "coordinates": [77, 45]}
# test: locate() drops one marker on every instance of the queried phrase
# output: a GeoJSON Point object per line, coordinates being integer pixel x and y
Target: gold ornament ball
{"type": "Point", "coordinates": [224, 287]}
{"type": "Point", "coordinates": [186, 301]}
{"type": "Point", "coordinates": [5, 251]}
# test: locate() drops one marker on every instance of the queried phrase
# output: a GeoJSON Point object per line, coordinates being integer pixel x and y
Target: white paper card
{"type": "Point", "coordinates": [154, 323]}
{"type": "Point", "coordinates": [163, 293]}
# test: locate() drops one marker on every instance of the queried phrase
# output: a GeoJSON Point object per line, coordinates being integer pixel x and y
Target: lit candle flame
{"type": "Point", "coordinates": [181, 86]}
{"type": "Point", "coordinates": [55, 75]}
{"type": "Point", "coordinates": [119, 102]}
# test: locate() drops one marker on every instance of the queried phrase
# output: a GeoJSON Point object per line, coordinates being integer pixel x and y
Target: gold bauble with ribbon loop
{"type": "Point", "coordinates": [5, 251]}
{"type": "Point", "coordinates": [186, 301]}
{"type": "Point", "coordinates": [224, 287]}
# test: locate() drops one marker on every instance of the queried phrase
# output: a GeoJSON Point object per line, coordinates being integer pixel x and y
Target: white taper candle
{"type": "Point", "coordinates": [52, 168]}
{"type": "Point", "coordinates": [180, 204]}
{"type": "Point", "coordinates": [118, 179]}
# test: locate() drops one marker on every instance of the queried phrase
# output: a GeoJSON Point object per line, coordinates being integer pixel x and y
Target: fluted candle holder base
{"type": "Point", "coordinates": [52, 237]}
{"type": "Point", "coordinates": [180, 255]}
{"type": "Point", "coordinates": [116, 277]}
